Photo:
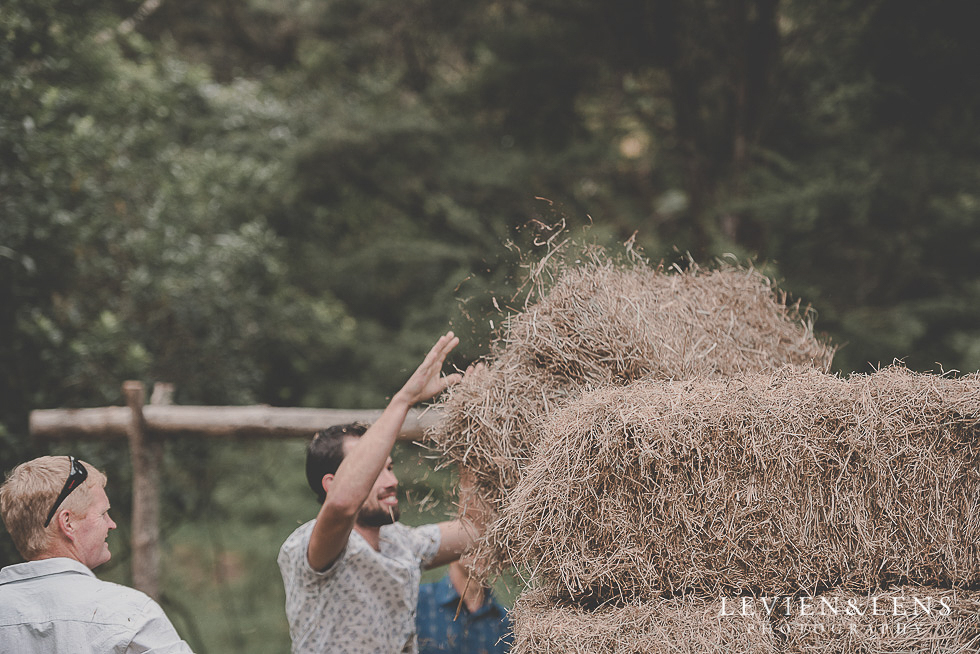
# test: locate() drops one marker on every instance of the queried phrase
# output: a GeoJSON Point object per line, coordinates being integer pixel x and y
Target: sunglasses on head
{"type": "Point", "coordinates": [77, 473]}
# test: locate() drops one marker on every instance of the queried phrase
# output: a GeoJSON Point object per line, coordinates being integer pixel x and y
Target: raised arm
{"type": "Point", "coordinates": [349, 487]}
{"type": "Point", "coordinates": [459, 535]}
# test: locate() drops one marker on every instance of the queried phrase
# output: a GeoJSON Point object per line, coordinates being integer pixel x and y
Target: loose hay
{"type": "Point", "coordinates": [603, 324]}
{"type": "Point", "coordinates": [920, 620]}
{"type": "Point", "coordinates": [779, 483]}
{"type": "Point", "coordinates": [677, 626]}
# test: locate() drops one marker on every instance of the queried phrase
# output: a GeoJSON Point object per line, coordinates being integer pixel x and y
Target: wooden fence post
{"type": "Point", "coordinates": [146, 453]}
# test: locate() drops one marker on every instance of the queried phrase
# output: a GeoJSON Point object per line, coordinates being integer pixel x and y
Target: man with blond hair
{"type": "Point", "coordinates": [57, 513]}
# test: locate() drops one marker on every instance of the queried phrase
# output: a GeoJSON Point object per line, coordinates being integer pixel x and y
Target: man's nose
{"type": "Point", "coordinates": [389, 479]}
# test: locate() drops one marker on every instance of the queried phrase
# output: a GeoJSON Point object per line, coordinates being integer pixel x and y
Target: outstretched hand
{"type": "Point", "coordinates": [426, 381]}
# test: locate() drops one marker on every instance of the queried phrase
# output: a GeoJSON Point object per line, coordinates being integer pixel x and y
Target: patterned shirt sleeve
{"type": "Point", "coordinates": [425, 542]}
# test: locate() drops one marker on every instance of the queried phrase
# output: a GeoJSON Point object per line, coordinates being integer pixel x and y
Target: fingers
{"type": "Point", "coordinates": [426, 383]}
{"type": "Point", "coordinates": [473, 368]}
{"type": "Point", "coordinates": [447, 341]}
{"type": "Point", "coordinates": [452, 379]}
{"type": "Point", "coordinates": [448, 346]}
{"type": "Point", "coordinates": [437, 355]}
{"type": "Point", "coordinates": [456, 377]}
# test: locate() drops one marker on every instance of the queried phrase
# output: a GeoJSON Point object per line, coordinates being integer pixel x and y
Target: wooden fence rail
{"type": "Point", "coordinates": [145, 427]}
{"type": "Point", "coordinates": [108, 423]}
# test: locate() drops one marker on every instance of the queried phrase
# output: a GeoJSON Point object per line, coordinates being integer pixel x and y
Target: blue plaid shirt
{"type": "Point", "coordinates": [485, 632]}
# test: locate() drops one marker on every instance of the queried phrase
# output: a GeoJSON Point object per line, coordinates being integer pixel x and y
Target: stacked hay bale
{"type": "Point", "coordinates": [788, 484]}
{"type": "Point", "coordinates": [782, 482]}
{"type": "Point", "coordinates": [911, 619]}
{"type": "Point", "coordinates": [604, 325]}
{"type": "Point", "coordinates": [657, 441]}
{"type": "Point", "coordinates": [600, 325]}
{"type": "Point", "coordinates": [679, 625]}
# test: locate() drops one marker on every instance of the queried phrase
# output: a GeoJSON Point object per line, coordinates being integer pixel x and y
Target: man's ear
{"type": "Point", "coordinates": [326, 481]}
{"type": "Point", "coordinates": [65, 528]}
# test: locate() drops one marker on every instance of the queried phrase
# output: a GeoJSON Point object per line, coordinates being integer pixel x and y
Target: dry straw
{"type": "Point", "coordinates": [599, 324]}
{"type": "Point", "coordinates": [920, 620]}
{"type": "Point", "coordinates": [677, 626]}
{"type": "Point", "coordinates": [778, 483]}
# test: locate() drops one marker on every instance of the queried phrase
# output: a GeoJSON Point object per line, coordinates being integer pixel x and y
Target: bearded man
{"type": "Point", "coordinates": [352, 573]}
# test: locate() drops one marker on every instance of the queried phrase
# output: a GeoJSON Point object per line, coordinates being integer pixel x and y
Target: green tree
{"type": "Point", "coordinates": [134, 238]}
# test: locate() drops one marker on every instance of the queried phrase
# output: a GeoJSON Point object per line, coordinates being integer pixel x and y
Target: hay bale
{"type": "Point", "coordinates": [604, 324]}
{"type": "Point", "coordinates": [780, 483]}
{"type": "Point", "coordinates": [677, 626]}
{"type": "Point", "coordinates": [920, 620]}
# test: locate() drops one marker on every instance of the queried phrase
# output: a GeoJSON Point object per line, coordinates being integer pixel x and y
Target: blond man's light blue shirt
{"type": "Point", "coordinates": [58, 606]}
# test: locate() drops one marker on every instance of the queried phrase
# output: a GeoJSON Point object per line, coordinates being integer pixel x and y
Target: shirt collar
{"type": "Point", "coordinates": [42, 568]}
{"type": "Point", "coordinates": [446, 592]}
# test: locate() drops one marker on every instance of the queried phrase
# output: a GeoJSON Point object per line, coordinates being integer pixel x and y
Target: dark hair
{"type": "Point", "coordinates": [325, 452]}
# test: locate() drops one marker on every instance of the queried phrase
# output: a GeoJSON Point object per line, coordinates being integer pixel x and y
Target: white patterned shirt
{"type": "Point", "coordinates": [365, 602]}
{"type": "Point", "coordinates": [58, 606]}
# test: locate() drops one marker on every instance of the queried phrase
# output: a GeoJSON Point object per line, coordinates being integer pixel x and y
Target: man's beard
{"type": "Point", "coordinates": [377, 517]}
